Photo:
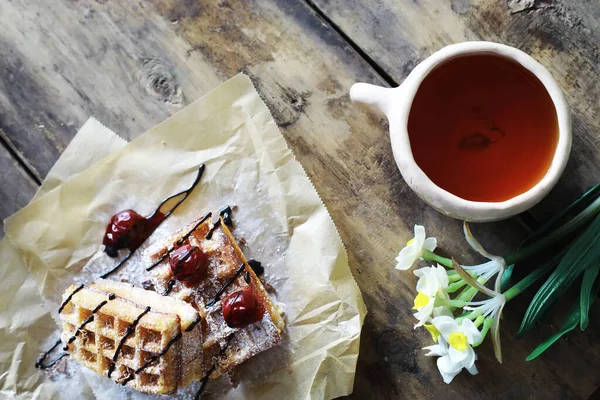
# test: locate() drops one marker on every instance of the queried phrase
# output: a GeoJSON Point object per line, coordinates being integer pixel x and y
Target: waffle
{"type": "Point", "coordinates": [155, 338]}
{"type": "Point", "coordinates": [223, 347]}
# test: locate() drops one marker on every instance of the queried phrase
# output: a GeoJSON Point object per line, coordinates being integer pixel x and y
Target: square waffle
{"type": "Point", "coordinates": [223, 347]}
{"type": "Point", "coordinates": [155, 339]}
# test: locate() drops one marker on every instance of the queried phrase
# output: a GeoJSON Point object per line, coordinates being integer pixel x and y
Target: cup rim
{"type": "Point", "coordinates": [444, 200]}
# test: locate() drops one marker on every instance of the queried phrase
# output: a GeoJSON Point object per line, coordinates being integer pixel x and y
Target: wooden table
{"type": "Point", "coordinates": [131, 64]}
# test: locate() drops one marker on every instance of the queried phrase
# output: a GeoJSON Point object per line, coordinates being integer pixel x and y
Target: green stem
{"type": "Point", "coordinates": [431, 256]}
{"type": "Point", "coordinates": [449, 303]}
{"type": "Point", "coordinates": [556, 235]}
{"type": "Point", "coordinates": [453, 287]}
{"type": "Point", "coordinates": [469, 315]}
{"type": "Point", "coordinates": [479, 320]}
{"type": "Point", "coordinates": [487, 324]}
{"type": "Point", "coordinates": [467, 295]}
{"type": "Point", "coordinates": [454, 277]}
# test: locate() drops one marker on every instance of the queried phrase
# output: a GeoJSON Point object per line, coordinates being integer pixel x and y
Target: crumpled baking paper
{"type": "Point", "coordinates": [24, 318]}
{"type": "Point", "coordinates": [279, 215]}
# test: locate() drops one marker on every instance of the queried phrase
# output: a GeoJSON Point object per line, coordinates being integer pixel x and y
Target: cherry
{"type": "Point", "coordinates": [241, 308]}
{"type": "Point", "coordinates": [126, 229]}
{"type": "Point", "coordinates": [188, 263]}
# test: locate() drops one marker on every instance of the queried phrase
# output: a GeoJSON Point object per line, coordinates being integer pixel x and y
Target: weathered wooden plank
{"type": "Point", "coordinates": [17, 186]}
{"type": "Point", "coordinates": [399, 34]}
{"type": "Point", "coordinates": [131, 64]}
{"type": "Point", "coordinates": [563, 36]}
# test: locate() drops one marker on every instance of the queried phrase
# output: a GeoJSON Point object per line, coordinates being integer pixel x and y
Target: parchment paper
{"type": "Point", "coordinates": [24, 318]}
{"type": "Point", "coordinates": [279, 215]}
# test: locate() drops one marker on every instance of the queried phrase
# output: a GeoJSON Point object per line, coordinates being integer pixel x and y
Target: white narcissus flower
{"type": "Point", "coordinates": [454, 346]}
{"type": "Point", "coordinates": [425, 306]}
{"type": "Point", "coordinates": [432, 283]}
{"type": "Point", "coordinates": [491, 308]}
{"type": "Point", "coordinates": [431, 279]}
{"type": "Point", "coordinates": [448, 369]}
{"type": "Point", "coordinates": [495, 266]}
{"type": "Point", "coordinates": [414, 249]}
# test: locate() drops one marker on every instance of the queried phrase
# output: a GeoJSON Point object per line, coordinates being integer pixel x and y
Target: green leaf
{"type": "Point", "coordinates": [505, 283]}
{"type": "Point", "coordinates": [571, 320]}
{"type": "Point", "coordinates": [534, 276]}
{"type": "Point", "coordinates": [559, 235]}
{"type": "Point", "coordinates": [568, 325]}
{"type": "Point", "coordinates": [567, 214]}
{"type": "Point", "coordinates": [560, 219]}
{"type": "Point", "coordinates": [586, 297]}
{"type": "Point", "coordinates": [581, 255]}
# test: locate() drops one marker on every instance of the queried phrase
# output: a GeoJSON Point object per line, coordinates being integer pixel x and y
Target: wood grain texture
{"type": "Point", "coordinates": [17, 187]}
{"type": "Point", "coordinates": [132, 64]}
{"type": "Point", "coordinates": [561, 35]}
{"type": "Point", "coordinates": [397, 35]}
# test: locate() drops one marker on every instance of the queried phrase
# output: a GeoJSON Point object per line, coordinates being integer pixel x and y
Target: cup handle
{"type": "Point", "coordinates": [376, 96]}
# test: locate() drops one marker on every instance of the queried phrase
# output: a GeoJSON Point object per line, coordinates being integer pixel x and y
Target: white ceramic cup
{"type": "Point", "coordinates": [396, 103]}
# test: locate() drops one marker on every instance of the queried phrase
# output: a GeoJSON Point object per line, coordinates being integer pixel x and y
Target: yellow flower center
{"type": "Point", "coordinates": [421, 301]}
{"type": "Point", "coordinates": [435, 334]}
{"type": "Point", "coordinates": [410, 242]}
{"type": "Point", "coordinates": [458, 340]}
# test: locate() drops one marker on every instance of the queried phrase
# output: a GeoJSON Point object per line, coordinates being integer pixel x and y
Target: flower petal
{"type": "Point", "coordinates": [479, 248]}
{"type": "Point", "coordinates": [473, 368]}
{"type": "Point", "coordinates": [469, 361]}
{"type": "Point", "coordinates": [496, 335]}
{"type": "Point", "coordinates": [421, 272]}
{"type": "Point", "coordinates": [448, 369]}
{"type": "Point", "coordinates": [442, 311]}
{"type": "Point", "coordinates": [430, 243]}
{"type": "Point", "coordinates": [441, 275]}
{"type": "Point", "coordinates": [424, 314]}
{"type": "Point", "coordinates": [470, 330]}
{"type": "Point", "coordinates": [435, 350]}
{"type": "Point", "coordinates": [419, 236]}
{"type": "Point", "coordinates": [446, 325]}
{"type": "Point", "coordinates": [406, 258]}
{"type": "Point", "coordinates": [457, 355]}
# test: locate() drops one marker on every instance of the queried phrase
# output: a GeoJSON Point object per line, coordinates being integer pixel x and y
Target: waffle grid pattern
{"type": "Point", "coordinates": [95, 346]}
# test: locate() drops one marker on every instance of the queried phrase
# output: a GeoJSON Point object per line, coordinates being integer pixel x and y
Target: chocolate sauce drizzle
{"type": "Point", "coordinates": [212, 229]}
{"type": "Point", "coordinates": [193, 324]}
{"type": "Point", "coordinates": [119, 265]}
{"type": "Point", "coordinates": [68, 299]}
{"type": "Point", "coordinates": [170, 285]}
{"type": "Point", "coordinates": [159, 355]}
{"type": "Point", "coordinates": [256, 267]}
{"type": "Point", "coordinates": [162, 353]}
{"type": "Point", "coordinates": [160, 217]}
{"type": "Point", "coordinates": [185, 194]}
{"type": "Point", "coordinates": [226, 214]}
{"type": "Point", "coordinates": [227, 284]}
{"type": "Point", "coordinates": [156, 357]}
{"type": "Point", "coordinates": [179, 242]}
{"type": "Point", "coordinates": [111, 296]}
{"type": "Point", "coordinates": [204, 380]}
{"type": "Point", "coordinates": [40, 362]}
{"type": "Point", "coordinates": [130, 330]}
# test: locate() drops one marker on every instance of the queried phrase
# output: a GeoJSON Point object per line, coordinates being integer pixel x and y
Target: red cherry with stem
{"type": "Point", "coordinates": [188, 263]}
{"type": "Point", "coordinates": [126, 229]}
{"type": "Point", "coordinates": [241, 308]}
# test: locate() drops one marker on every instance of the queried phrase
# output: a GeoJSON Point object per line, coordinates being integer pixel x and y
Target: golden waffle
{"type": "Point", "coordinates": [146, 331]}
{"type": "Point", "coordinates": [222, 350]}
